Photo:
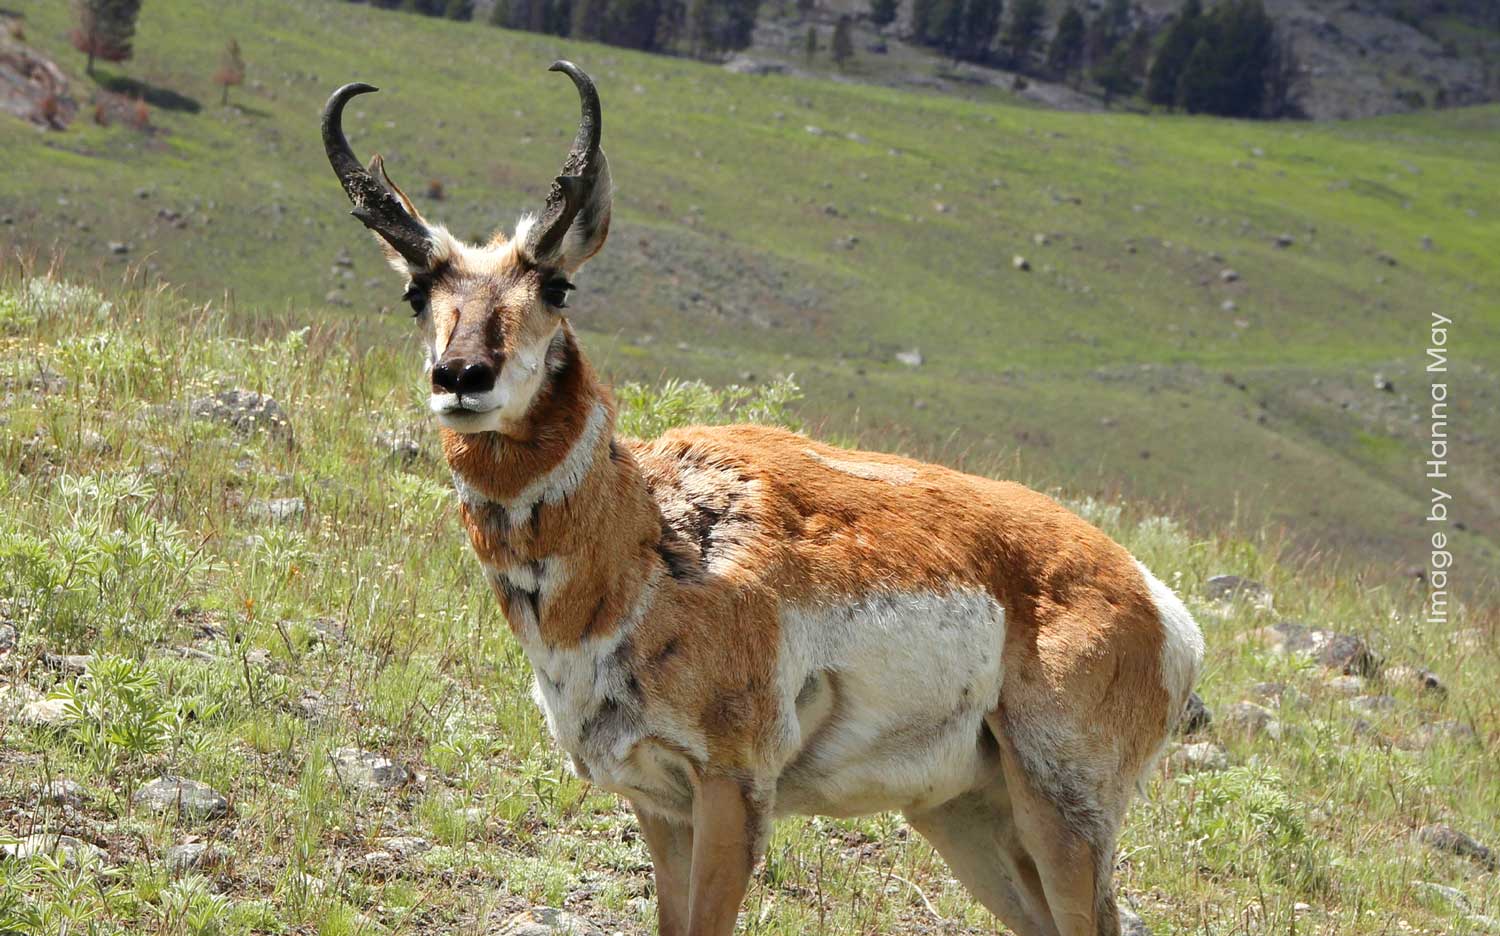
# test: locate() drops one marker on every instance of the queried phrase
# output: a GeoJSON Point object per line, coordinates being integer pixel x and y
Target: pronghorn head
{"type": "Point", "coordinates": [491, 313]}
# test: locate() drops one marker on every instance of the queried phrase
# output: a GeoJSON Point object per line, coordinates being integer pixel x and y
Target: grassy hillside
{"type": "Point", "coordinates": [771, 225]}
{"type": "Point", "coordinates": [260, 607]}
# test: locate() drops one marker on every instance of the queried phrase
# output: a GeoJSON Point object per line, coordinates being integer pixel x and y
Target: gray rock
{"type": "Point", "coordinates": [1199, 756]}
{"type": "Point", "coordinates": [1345, 685]}
{"type": "Point", "coordinates": [72, 849]}
{"type": "Point", "coordinates": [1384, 384]}
{"type": "Point", "coordinates": [1285, 240]}
{"type": "Point", "coordinates": [1416, 677]}
{"type": "Point", "coordinates": [1196, 715]}
{"type": "Point", "coordinates": [1445, 838]}
{"type": "Point", "coordinates": [1131, 924]}
{"type": "Point", "coordinates": [45, 713]}
{"type": "Point", "coordinates": [404, 845]}
{"type": "Point", "coordinates": [63, 792]}
{"type": "Point", "coordinates": [744, 65]}
{"type": "Point", "coordinates": [74, 664]}
{"type": "Point", "coordinates": [1021, 263]}
{"type": "Point", "coordinates": [119, 247]}
{"type": "Point", "coordinates": [547, 921]}
{"type": "Point", "coordinates": [1228, 275]}
{"type": "Point", "coordinates": [1435, 733]}
{"type": "Point", "coordinates": [278, 509]}
{"type": "Point", "coordinates": [1441, 894]}
{"type": "Point", "coordinates": [194, 856]}
{"type": "Point", "coordinates": [245, 411]}
{"type": "Point", "coordinates": [7, 638]}
{"type": "Point", "coordinates": [1373, 704]}
{"type": "Point", "coordinates": [188, 798]}
{"type": "Point", "coordinates": [1483, 923]}
{"type": "Point", "coordinates": [1271, 692]}
{"type": "Point", "coordinates": [1235, 587]}
{"type": "Point", "coordinates": [368, 769]}
{"type": "Point", "coordinates": [1250, 720]}
{"type": "Point", "coordinates": [912, 358]}
{"type": "Point", "coordinates": [399, 446]}
{"type": "Point", "coordinates": [1346, 653]}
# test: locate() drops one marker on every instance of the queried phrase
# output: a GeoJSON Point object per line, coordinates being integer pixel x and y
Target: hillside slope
{"type": "Point", "coordinates": [285, 619]}
{"type": "Point", "coordinates": [1161, 344]}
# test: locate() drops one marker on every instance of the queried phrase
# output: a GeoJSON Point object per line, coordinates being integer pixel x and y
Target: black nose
{"type": "Point", "coordinates": [458, 376]}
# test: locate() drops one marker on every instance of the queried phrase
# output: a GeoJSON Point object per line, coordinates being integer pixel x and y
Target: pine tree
{"type": "Point", "coordinates": [1166, 68]}
{"type": "Point", "coordinates": [1106, 31]}
{"type": "Point", "coordinates": [500, 13]}
{"type": "Point", "coordinates": [811, 46]}
{"type": "Point", "coordinates": [459, 9]}
{"type": "Point", "coordinates": [1023, 31]}
{"type": "Point", "coordinates": [842, 46]}
{"type": "Point", "coordinates": [1114, 75]}
{"type": "Point", "coordinates": [1228, 70]}
{"type": "Point", "coordinates": [883, 12]}
{"type": "Point", "coordinates": [105, 29]}
{"type": "Point", "coordinates": [231, 70]}
{"type": "Point", "coordinates": [1065, 53]}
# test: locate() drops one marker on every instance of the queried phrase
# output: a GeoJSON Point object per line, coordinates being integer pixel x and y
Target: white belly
{"type": "Point", "coordinates": [884, 699]}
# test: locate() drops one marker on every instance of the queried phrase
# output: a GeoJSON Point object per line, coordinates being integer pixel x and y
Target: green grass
{"type": "Point", "coordinates": [242, 652]}
{"type": "Point", "coordinates": [1112, 366]}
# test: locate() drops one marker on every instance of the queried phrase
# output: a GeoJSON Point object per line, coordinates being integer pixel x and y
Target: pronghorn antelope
{"type": "Point", "coordinates": [732, 624]}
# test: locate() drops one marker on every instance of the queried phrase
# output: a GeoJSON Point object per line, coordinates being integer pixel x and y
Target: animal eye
{"type": "Point", "coordinates": [417, 296]}
{"type": "Point", "coordinates": [555, 292]}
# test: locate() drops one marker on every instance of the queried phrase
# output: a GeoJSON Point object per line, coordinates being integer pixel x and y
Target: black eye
{"type": "Point", "coordinates": [417, 296]}
{"type": "Point", "coordinates": [555, 292]}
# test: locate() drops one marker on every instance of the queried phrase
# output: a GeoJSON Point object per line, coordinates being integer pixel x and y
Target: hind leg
{"type": "Point", "coordinates": [1074, 854]}
{"type": "Point", "coordinates": [977, 836]}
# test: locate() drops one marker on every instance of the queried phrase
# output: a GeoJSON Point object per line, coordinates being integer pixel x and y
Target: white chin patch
{"type": "Point", "coordinates": [504, 405]}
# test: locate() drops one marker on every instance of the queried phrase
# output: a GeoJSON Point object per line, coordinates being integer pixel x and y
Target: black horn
{"type": "Point", "coordinates": [573, 187]}
{"type": "Point", "coordinates": [374, 204]}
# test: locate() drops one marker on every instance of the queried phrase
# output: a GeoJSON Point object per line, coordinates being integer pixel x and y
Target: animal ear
{"type": "Point", "coordinates": [378, 173]}
{"type": "Point", "coordinates": [590, 226]}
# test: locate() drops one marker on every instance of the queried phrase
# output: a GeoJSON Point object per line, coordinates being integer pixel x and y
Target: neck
{"type": "Point", "coordinates": [557, 511]}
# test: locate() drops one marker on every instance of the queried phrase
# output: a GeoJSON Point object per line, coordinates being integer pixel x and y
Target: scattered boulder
{"type": "Point", "coordinates": [1021, 263]}
{"type": "Point", "coordinates": [1445, 838]}
{"type": "Point", "coordinates": [1345, 685]}
{"type": "Point", "coordinates": [1250, 720]}
{"type": "Point", "coordinates": [1285, 240]}
{"type": "Point", "coordinates": [1237, 587]}
{"type": "Point", "coordinates": [744, 65]}
{"type": "Point", "coordinates": [1131, 924]}
{"type": "Point", "coordinates": [189, 798]}
{"type": "Point", "coordinates": [912, 358]}
{"type": "Point", "coordinates": [193, 856]}
{"type": "Point", "coordinates": [1417, 677]}
{"type": "Point", "coordinates": [7, 637]}
{"type": "Point", "coordinates": [33, 88]}
{"type": "Point", "coordinates": [369, 770]}
{"type": "Point", "coordinates": [1384, 384]}
{"type": "Point", "coordinates": [245, 411]}
{"type": "Point", "coordinates": [63, 792]}
{"type": "Point", "coordinates": [1373, 704]}
{"type": "Point", "coordinates": [399, 446]}
{"type": "Point", "coordinates": [1440, 732]}
{"type": "Point", "coordinates": [278, 509]}
{"type": "Point", "coordinates": [73, 850]}
{"type": "Point", "coordinates": [1196, 715]}
{"type": "Point", "coordinates": [72, 664]}
{"type": "Point", "coordinates": [1229, 276]}
{"type": "Point", "coordinates": [1344, 653]}
{"type": "Point", "coordinates": [1441, 894]}
{"type": "Point", "coordinates": [1196, 757]}
{"type": "Point", "coordinates": [119, 248]}
{"type": "Point", "coordinates": [547, 921]}
{"type": "Point", "coordinates": [45, 713]}
{"type": "Point", "coordinates": [404, 846]}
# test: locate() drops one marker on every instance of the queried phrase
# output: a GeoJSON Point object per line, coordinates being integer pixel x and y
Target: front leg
{"type": "Point", "coordinates": [726, 830]}
{"type": "Point", "coordinates": [671, 847]}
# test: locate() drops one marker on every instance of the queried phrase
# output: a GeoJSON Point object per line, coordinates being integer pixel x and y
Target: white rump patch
{"type": "Point", "coordinates": [1181, 647]}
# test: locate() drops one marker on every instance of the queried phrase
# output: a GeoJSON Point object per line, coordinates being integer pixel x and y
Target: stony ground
{"type": "Point", "coordinates": [251, 682]}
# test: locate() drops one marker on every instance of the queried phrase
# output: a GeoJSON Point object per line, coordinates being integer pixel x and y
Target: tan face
{"type": "Point", "coordinates": [489, 319]}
